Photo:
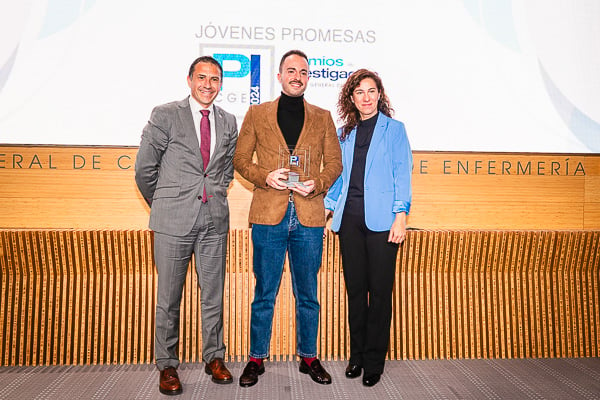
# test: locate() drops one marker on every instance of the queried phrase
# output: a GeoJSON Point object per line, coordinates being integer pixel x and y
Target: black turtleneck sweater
{"type": "Point", "coordinates": [355, 202]}
{"type": "Point", "coordinates": [290, 117]}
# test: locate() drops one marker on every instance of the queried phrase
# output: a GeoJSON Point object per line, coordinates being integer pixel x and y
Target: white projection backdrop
{"type": "Point", "coordinates": [464, 75]}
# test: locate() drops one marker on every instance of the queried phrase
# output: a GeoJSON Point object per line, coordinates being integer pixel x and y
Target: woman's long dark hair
{"type": "Point", "coordinates": [348, 112]}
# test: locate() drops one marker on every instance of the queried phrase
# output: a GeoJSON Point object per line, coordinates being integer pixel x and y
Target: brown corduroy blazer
{"type": "Point", "coordinates": [260, 134]}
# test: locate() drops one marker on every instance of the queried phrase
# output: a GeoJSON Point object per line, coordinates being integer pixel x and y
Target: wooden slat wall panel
{"type": "Point", "coordinates": [49, 187]}
{"type": "Point", "coordinates": [88, 297]}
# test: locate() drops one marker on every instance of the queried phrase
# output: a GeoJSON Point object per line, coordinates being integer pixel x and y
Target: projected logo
{"type": "Point", "coordinates": [248, 75]}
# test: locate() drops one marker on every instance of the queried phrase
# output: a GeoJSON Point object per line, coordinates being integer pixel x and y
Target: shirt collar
{"type": "Point", "coordinates": [197, 107]}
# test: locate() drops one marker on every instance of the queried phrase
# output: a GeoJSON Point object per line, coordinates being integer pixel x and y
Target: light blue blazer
{"type": "Point", "coordinates": [388, 173]}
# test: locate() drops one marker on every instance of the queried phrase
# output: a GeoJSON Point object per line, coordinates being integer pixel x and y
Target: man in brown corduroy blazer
{"type": "Point", "coordinates": [287, 217]}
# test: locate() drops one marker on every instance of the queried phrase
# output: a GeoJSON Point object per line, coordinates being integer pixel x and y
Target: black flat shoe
{"type": "Point", "coordinates": [371, 380]}
{"type": "Point", "coordinates": [353, 371]}
{"type": "Point", "coordinates": [316, 372]}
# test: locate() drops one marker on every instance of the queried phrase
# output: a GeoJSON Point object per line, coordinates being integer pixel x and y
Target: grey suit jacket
{"type": "Point", "coordinates": [169, 172]}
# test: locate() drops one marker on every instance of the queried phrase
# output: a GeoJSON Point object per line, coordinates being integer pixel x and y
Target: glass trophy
{"type": "Point", "coordinates": [297, 160]}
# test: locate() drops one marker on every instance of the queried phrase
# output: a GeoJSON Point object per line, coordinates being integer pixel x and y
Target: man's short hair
{"type": "Point", "coordinates": [205, 59]}
{"type": "Point", "coordinates": [292, 53]}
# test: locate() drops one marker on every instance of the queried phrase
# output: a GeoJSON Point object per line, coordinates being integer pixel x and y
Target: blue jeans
{"type": "Point", "coordinates": [305, 247]}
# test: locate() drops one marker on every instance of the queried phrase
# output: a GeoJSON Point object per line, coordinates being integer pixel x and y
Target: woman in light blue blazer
{"type": "Point", "coordinates": [370, 202]}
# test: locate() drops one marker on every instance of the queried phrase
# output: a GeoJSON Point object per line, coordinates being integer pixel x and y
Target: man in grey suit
{"type": "Point", "coordinates": [183, 169]}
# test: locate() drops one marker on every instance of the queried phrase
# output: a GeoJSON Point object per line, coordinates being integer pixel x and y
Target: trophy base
{"type": "Point", "coordinates": [293, 180]}
{"type": "Point", "coordinates": [295, 184]}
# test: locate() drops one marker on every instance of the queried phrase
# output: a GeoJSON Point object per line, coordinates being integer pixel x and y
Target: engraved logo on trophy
{"type": "Point", "coordinates": [297, 160]}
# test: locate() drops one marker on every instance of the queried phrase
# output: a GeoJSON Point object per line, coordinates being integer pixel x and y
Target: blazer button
{"type": "Point", "coordinates": [199, 197]}
{"type": "Point", "coordinates": [205, 175]}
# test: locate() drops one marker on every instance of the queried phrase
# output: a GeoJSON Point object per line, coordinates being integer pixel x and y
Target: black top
{"type": "Point", "coordinates": [355, 202]}
{"type": "Point", "coordinates": [290, 117]}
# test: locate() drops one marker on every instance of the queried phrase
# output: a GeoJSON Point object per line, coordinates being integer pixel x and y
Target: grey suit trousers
{"type": "Point", "coordinates": [172, 255]}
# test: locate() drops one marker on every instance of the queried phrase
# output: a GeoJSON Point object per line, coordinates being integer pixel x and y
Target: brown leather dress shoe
{"type": "Point", "coordinates": [316, 372]}
{"type": "Point", "coordinates": [169, 382]}
{"type": "Point", "coordinates": [218, 370]}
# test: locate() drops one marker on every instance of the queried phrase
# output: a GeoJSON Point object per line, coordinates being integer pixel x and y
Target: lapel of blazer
{"type": "Point", "coordinates": [190, 134]}
{"type": "Point", "coordinates": [219, 133]}
{"type": "Point", "coordinates": [308, 122]}
{"type": "Point", "coordinates": [378, 136]}
{"type": "Point", "coordinates": [271, 117]}
{"type": "Point", "coordinates": [348, 155]}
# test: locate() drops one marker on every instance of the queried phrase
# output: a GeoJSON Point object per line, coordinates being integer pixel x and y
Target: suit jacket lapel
{"type": "Point", "coordinates": [187, 122]}
{"type": "Point", "coordinates": [349, 153]}
{"type": "Point", "coordinates": [271, 117]}
{"type": "Point", "coordinates": [189, 130]}
{"type": "Point", "coordinates": [378, 136]}
{"type": "Point", "coordinates": [307, 127]}
{"type": "Point", "coordinates": [219, 133]}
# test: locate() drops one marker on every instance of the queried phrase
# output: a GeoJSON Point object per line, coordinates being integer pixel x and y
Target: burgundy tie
{"type": "Point", "coordinates": [205, 144]}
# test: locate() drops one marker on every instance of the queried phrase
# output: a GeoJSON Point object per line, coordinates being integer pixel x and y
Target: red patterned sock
{"type": "Point", "coordinates": [259, 361]}
{"type": "Point", "coordinates": [309, 360]}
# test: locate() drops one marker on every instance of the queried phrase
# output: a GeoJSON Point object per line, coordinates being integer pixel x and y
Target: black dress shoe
{"type": "Point", "coordinates": [251, 372]}
{"type": "Point", "coordinates": [371, 379]}
{"type": "Point", "coordinates": [353, 370]}
{"type": "Point", "coordinates": [316, 372]}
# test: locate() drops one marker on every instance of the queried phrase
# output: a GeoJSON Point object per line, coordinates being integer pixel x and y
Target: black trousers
{"type": "Point", "coordinates": [369, 263]}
